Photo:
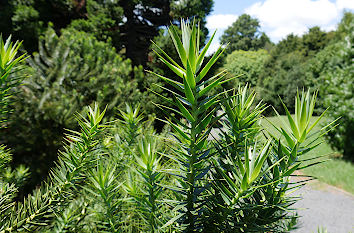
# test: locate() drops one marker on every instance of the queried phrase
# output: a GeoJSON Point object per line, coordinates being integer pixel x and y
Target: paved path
{"type": "Point", "coordinates": [326, 206]}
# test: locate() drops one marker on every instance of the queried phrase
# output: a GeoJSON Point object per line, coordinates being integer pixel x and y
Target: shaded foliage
{"type": "Point", "coordinates": [130, 24]}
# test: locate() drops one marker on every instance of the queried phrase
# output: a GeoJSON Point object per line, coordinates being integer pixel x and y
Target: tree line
{"type": "Point", "coordinates": [317, 60]}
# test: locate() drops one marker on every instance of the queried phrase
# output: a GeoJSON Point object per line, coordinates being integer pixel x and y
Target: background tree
{"type": "Point", "coordinates": [286, 69]}
{"type": "Point", "coordinates": [287, 76]}
{"type": "Point", "coordinates": [244, 34]}
{"type": "Point", "coordinates": [332, 72]}
{"type": "Point", "coordinates": [20, 19]}
{"type": "Point", "coordinates": [315, 40]}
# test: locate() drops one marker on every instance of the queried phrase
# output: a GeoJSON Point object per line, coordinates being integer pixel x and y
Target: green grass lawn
{"type": "Point", "coordinates": [336, 172]}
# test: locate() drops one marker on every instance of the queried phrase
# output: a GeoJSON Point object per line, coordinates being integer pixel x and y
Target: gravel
{"type": "Point", "coordinates": [325, 206]}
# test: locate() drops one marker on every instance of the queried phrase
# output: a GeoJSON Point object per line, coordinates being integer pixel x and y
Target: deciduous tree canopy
{"type": "Point", "coordinates": [244, 34]}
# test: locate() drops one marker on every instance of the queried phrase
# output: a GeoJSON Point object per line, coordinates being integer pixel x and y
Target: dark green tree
{"type": "Point", "coordinates": [315, 40]}
{"type": "Point", "coordinates": [144, 20]}
{"type": "Point", "coordinates": [131, 24]}
{"type": "Point", "coordinates": [286, 76]}
{"type": "Point", "coordinates": [244, 34]}
{"type": "Point", "coordinates": [28, 19]}
{"type": "Point", "coordinates": [332, 72]}
{"type": "Point", "coordinates": [70, 71]}
{"type": "Point", "coordinates": [20, 19]}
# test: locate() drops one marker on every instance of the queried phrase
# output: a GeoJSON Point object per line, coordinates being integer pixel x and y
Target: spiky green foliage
{"type": "Point", "coordinates": [246, 180]}
{"type": "Point", "coordinates": [238, 171]}
{"type": "Point", "coordinates": [39, 208]}
{"type": "Point", "coordinates": [298, 127]}
{"type": "Point", "coordinates": [193, 103]}
{"type": "Point", "coordinates": [71, 219]}
{"type": "Point", "coordinates": [147, 193]}
{"type": "Point", "coordinates": [242, 117]}
{"type": "Point", "coordinates": [126, 132]}
{"type": "Point", "coordinates": [131, 123]}
{"type": "Point", "coordinates": [103, 184]}
{"type": "Point", "coordinates": [10, 179]}
{"type": "Point", "coordinates": [251, 180]}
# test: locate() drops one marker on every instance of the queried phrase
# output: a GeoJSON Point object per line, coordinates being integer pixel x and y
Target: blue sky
{"type": "Point", "coordinates": [278, 18]}
{"type": "Point", "coordinates": [231, 6]}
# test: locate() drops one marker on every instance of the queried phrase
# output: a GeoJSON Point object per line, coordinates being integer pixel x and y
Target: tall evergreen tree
{"type": "Point", "coordinates": [244, 34]}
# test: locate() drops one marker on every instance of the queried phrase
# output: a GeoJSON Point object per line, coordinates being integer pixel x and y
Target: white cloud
{"type": "Point", "coordinates": [220, 21]}
{"type": "Point", "coordinates": [215, 43]}
{"type": "Point", "coordinates": [279, 18]}
{"type": "Point", "coordinates": [213, 47]}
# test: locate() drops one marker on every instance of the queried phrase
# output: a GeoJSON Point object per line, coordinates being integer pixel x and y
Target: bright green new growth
{"type": "Point", "coordinates": [298, 128]}
{"type": "Point", "coordinates": [8, 61]}
{"type": "Point", "coordinates": [300, 124]}
{"type": "Point", "coordinates": [147, 193]}
{"type": "Point", "coordinates": [131, 123]}
{"type": "Point", "coordinates": [8, 52]}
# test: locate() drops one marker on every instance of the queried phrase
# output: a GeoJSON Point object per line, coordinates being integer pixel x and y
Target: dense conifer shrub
{"type": "Point", "coordinates": [69, 72]}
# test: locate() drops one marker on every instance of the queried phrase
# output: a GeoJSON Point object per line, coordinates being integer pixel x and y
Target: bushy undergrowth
{"type": "Point", "coordinates": [213, 171]}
